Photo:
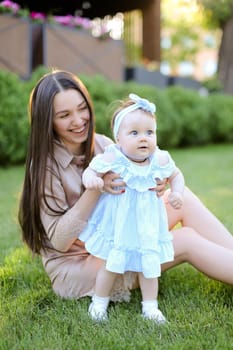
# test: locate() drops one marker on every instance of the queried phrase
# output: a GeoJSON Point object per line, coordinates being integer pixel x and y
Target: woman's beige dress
{"type": "Point", "coordinates": [71, 269]}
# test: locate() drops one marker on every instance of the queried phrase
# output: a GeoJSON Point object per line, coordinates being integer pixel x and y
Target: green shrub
{"type": "Point", "coordinates": [102, 94]}
{"type": "Point", "coordinates": [193, 113]}
{"type": "Point", "coordinates": [13, 119]}
{"type": "Point", "coordinates": [221, 117]}
{"type": "Point", "coordinates": [213, 85]}
{"type": "Point", "coordinates": [184, 117]}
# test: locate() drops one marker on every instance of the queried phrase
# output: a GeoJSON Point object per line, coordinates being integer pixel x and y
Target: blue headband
{"type": "Point", "coordinates": [138, 103]}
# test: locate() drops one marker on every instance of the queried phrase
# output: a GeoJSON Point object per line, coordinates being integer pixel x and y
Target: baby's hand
{"type": "Point", "coordinates": [93, 183]}
{"type": "Point", "coordinates": [176, 200]}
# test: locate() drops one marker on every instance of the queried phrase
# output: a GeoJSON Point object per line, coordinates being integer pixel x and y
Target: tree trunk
{"type": "Point", "coordinates": [225, 62]}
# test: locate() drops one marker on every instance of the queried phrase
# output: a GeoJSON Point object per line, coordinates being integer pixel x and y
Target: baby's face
{"type": "Point", "coordinates": [137, 135]}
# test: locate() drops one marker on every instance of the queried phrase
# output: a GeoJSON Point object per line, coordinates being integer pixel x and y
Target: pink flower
{"type": "Point", "coordinates": [37, 16]}
{"type": "Point", "coordinates": [65, 20]}
{"type": "Point", "coordinates": [82, 22]}
{"type": "Point", "coordinates": [100, 31]}
{"type": "Point", "coordinates": [10, 5]}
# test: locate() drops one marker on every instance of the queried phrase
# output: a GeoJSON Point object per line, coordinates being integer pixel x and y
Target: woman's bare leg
{"type": "Point", "coordinates": [194, 214]}
{"type": "Point", "coordinates": [208, 257]}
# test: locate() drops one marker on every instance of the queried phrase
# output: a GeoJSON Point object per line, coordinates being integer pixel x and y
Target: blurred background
{"type": "Point", "coordinates": [156, 42]}
{"type": "Point", "coordinates": [177, 53]}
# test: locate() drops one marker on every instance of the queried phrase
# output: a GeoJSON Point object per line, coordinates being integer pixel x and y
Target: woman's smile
{"type": "Point", "coordinates": [79, 130]}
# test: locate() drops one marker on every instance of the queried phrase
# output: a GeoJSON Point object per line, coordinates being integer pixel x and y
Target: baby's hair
{"type": "Point", "coordinates": [122, 104]}
{"type": "Point", "coordinates": [128, 106]}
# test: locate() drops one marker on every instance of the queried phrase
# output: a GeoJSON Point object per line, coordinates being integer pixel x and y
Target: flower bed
{"type": "Point", "coordinates": [75, 22]}
{"type": "Point", "coordinates": [64, 42]}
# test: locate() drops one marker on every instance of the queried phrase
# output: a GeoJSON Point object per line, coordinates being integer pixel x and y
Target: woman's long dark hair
{"type": "Point", "coordinates": [40, 149]}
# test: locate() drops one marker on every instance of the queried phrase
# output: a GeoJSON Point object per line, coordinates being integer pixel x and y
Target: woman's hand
{"type": "Point", "coordinates": [160, 188]}
{"type": "Point", "coordinates": [113, 183]}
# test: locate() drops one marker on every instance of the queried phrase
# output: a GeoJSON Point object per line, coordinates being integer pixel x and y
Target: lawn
{"type": "Point", "coordinates": [199, 309]}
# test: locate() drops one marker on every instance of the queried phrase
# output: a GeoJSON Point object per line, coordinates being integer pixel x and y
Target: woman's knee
{"type": "Point", "coordinates": [185, 240]}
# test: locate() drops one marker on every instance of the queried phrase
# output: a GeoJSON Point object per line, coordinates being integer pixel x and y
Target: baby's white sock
{"type": "Point", "coordinates": [149, 305]}
{"type": "Point", "coordinates": [150, 311]}
{"type": "Point", "coordinates": [98, 308]}
{"type": "Point", "coordinates": [102, 302]}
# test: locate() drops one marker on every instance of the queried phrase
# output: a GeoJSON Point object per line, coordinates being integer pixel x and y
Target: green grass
{"type": "Point", "coordinates": [199, 309]}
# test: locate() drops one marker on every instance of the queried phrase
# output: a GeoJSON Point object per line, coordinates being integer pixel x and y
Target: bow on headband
{"type": "Point", "coordinates": [138, 103]}
{"type": "Point", "coordinates": [143, 103]}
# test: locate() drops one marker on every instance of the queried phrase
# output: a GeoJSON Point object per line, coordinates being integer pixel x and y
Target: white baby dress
{"type": "Point", "coordinates": [130, 230]}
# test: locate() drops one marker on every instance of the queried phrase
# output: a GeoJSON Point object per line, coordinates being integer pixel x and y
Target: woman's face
{"type": "Point", "coordinates": [71, 119]}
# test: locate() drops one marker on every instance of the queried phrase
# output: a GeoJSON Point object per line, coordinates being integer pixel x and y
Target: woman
{"type": "Point", "coordinates": [55, 207]}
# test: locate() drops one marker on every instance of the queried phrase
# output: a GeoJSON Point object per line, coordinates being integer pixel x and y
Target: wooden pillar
{"type": "Point", "coordinates": [37, 45]}
{"type": "Point", "coordinates": [151, 30]}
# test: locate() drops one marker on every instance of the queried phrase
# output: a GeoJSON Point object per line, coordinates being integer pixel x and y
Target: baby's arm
{"type": "Point", "coordinates": [92, 180]}
{"type": "Point", "coordinates": [176, 181]}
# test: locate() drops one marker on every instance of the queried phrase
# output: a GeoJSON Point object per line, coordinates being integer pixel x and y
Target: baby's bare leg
{"type": "Point", "coordinates": [104, 282]}
{"type": "Point", "coordinates": [149, 287]}
{"type": "Point", "coordinates": [149, 290]}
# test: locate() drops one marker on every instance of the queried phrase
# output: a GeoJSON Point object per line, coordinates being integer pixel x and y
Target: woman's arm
{"type": "Point", "coordinates": [64, 227]}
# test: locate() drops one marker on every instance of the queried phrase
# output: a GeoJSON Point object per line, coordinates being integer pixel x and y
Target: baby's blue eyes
{"type": "Point", "coordinates": [148, 132]}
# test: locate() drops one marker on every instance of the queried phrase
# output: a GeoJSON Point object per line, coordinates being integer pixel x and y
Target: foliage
{"type": "Point", "coordinates": [75, 22]}
{"type": "Point", "coordinates": [181, 32]}
{"type": "Point", "coordinates": [184, 117]}
{"type": "Point", "coordinates": [102, 94]}
{"type": "Point", "coordinates": [13, 119]}
{"type": "Point", "coordinates": [193, 114]}
{"type": "Point", "coordinates": [213, 84]}
{"type": "Point", "coordinates": [8, 6]}
{"type": "Point", "coordinates": [185, 43]}
{"type": "Point", "coordinates": [217, 13]}
{"type": "Point", "coordinates": [221, 121]}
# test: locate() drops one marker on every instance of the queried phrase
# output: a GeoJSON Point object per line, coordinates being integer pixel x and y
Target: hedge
{"type": "Point", "coordinates": [184, 117]}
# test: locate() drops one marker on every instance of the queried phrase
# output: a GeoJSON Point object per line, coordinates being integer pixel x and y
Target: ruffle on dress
{"type": "Point", "coordinates": [140, 178]}
{"type": "Point", "coordinates": [120, 259]}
